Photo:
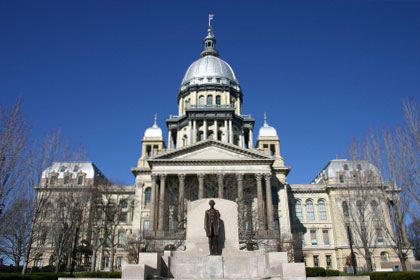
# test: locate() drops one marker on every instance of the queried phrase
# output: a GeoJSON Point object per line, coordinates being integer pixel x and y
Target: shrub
{"type": "Point", "coordinates": [410, 275]}
{"type": "Point", "coordinates": [315, 271]}
{"type": "Point", "coordinates": [331, 272]}
{"type": "Point", "coordinates": [99, 274]}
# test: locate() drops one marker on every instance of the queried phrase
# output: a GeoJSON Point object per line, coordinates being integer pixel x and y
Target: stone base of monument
{"type": "Point", "coordinates": [196, 263]}
{"type": "Point", "coordinates": [255, 265]}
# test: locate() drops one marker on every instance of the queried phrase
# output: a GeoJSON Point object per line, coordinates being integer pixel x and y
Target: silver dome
{"type": "Point", "coordinates": [266, 130]}
{"type": "Point", "coordinates": [209, 70]}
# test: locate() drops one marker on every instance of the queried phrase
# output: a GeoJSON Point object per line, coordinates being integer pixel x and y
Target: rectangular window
{"type": "Point", "coordinates": [52, 180]}
{"type": "Point", "coordinates": [326, 237]}
{"type": "Point", "coordinates": [380, 237]}
{"type": "Point", "coordinates": [119, 263]}
{"type": "Point", "coordinates": [302, 238]}
{"type": "Point", "coordinates": [316, 261]}
{"type": "Point", "coordinates": [329, 261]}
{"type": "Point", "coordinates": [341, 178]}
{"type": "Point", "coordinates": [276, 224]}
{"type": "Point", "coordinates": [66, 179]}
{"type": "Point", "coordinates": [123, 217]}
{"type": "Point", "coordinates": [314, 241]}
{"type": "Point", "coordinates": [146, 225]}
{"type": "Point", "coordinates": [79, 180]}
{"type": "Point", "coordinates": [121, 239]}
{"type": "Point", "coordinates": [106, 263]}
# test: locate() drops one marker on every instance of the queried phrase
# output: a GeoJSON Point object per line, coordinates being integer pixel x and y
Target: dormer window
{"type": "Point", "coordinates": [75, 168]}
{"type": "Point", "coordinates": [346, 167]}
{"type": "Point", "coordinates": [359, 167]}
{"type": "Point", "coordinates": [52, 180]}
{"type": "Point", "coordinates": [62, 168]}
{"type": "Point", "coordinates": [341, 177]}
{"type": "Point", "coordinates": [80, 180]}
{"type": "Point", "coordinates": [66, 179]}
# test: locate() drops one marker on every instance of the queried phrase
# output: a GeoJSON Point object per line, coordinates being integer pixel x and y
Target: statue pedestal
{"type": "Point", "coordinates": [196, 263]}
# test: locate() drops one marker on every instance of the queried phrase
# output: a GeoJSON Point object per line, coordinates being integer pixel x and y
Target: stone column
{"type": "Point", "coordinates": [191, 132]}
{"type": "Point", "coordinates": [269, 202]}
{"type": "Point", "coordinates": [201, 185]}
{"type": "Point", "coordinates": [261, 219]}
{"type": "Point", "coordinates": [205, 130]}
{"type": "Point", "coordinates": [178, 139]}
{"type": "Point", "coordinates": [226, 132]}
{"type": "Point", "coordinates": [230, 132]}
{"type": "Point", "coordinates": [240, 179]}
{"type": "Point", "coordinates": [241, 139]}
{"type": "Point", "coordinates": [194, 131]}
{"type": "Point", "coordinates": [181, 178]}
{"type": "Point", "coordinates": [162, 178]}
{"type": "Point", "coordinates": [153, 206]}
{"type": "Point", "coordinates": [220, 184]}
{"type": "Point", "coordinates": [251, 140]}
{"type": "Point", "coordinates": [170, 146]}
{"type": "Point", "coordinates": [216, 130]}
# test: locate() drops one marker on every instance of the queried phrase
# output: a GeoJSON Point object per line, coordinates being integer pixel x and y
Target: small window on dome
{"type": "Point", "coordinates": [210, 100]}
{"type": "Point", "coordinates": [218, 100]}
{"type": "Point", "coordinates": [201, 100]}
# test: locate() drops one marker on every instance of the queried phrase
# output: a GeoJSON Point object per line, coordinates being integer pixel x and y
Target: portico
{"type": "Point", "coordinates": [221, 175]}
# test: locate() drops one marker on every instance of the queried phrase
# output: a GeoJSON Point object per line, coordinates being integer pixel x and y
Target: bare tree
{"type": "Point", "coordinates": [15, 229]}
{"type": "Point", "coordinates": [135, 244]}
{"type": "Point", "coordinates": [107, 204]}
{"type": "Point", "coordinates": [42, 155]}
{"type": "Point", "coordinates": [68, 216]}
{"type": "Point", "coordinates": [396, 152]}
{"type": "Point", "coordinates": [414, 237]}
{"type": "Point", "coordinates": [14, 134]}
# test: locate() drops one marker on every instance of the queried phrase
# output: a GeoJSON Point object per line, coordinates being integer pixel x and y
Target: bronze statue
{"type": "Point", "coordinates": [212, 225]}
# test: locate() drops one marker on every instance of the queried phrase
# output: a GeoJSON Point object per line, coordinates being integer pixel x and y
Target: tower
{"type": "Point", "coordinates": [209, 103]}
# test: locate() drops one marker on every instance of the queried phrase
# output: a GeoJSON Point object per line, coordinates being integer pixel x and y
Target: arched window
{"type": "Point", "coordinates": [359, 206]}
{"type": "Point", "coordinates": [345, 209]}
{"type": "Point", "coordinates": [384, 257]}
{"type": "Point", "coordinates": [310, 210]}
{"type": "Point", "coordinates": [148, 195]}
{"type": "Point", "coordinates": [322, 210]}
{"type": "Point", "coordinates": [218, 100]}
{"type": "Point", "coordinates": [210, 100]}
{"type": "Point", "coordinates": [298, 210]}
{"type": "Point", "coordinates": [201, 100]}
{"type": "Point", "coordinates": [374, 206]}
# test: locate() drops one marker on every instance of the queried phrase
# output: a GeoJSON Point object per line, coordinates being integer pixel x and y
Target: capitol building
{"type": "Point", "coordinates": [212, 150]}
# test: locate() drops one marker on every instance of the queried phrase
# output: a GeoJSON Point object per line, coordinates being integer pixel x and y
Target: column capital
{"type": "Point", "coordinates": [258, 176]}
{"type": "Point", "coordinates": [220, 175]}
{"type": "Point", "coordinates": [162, 176]}
{"type": "Point", "coordinates": [201, 176]}
{"type": "Point", "coordinates": [267, 176]}
{"type": "Point", "coordinates": [240, 176]}
{"type": "Point", "coordinates": [154, 176]}
{"type": "Point", "coordinates": [181, 176]}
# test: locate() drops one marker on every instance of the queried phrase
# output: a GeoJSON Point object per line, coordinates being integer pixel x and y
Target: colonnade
{"type": "Point", "coordinates": [157, 207]}
{"type": "Point", "coordinates": [193, 129]}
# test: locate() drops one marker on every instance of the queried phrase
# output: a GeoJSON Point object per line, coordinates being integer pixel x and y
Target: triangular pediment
{"type": "Point", "coordinates": [212, 150]}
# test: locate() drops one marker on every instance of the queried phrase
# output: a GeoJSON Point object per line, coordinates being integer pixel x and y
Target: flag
{"type": "Point", "coordinates": [211, 16]}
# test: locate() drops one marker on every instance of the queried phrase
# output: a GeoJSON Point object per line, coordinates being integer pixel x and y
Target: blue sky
{"type": "Point", "coordinates": [324, 71]}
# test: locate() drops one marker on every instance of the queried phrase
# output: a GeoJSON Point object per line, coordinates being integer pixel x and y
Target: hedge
{"type": "Point", "coordinates": [55, 276]}
{"type": "Point", "coordinates": [410, 275]}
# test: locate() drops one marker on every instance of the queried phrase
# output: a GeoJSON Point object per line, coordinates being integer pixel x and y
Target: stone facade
{"type": "Point", "coordinates": [210, 153]}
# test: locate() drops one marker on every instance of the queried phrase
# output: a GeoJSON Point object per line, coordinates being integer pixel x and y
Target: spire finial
{"type": "Point", "coordinates": [265, 119]}
{"type": "Point", "coordinates": [155, 124]}
{"type": "Point", "coordinates": [210, 41]}
{"type": "Point", "coordinates": [210, 19]}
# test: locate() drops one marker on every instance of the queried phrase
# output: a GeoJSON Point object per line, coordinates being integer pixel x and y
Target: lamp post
{"type": "Point", "coordinates": [353, 257]}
